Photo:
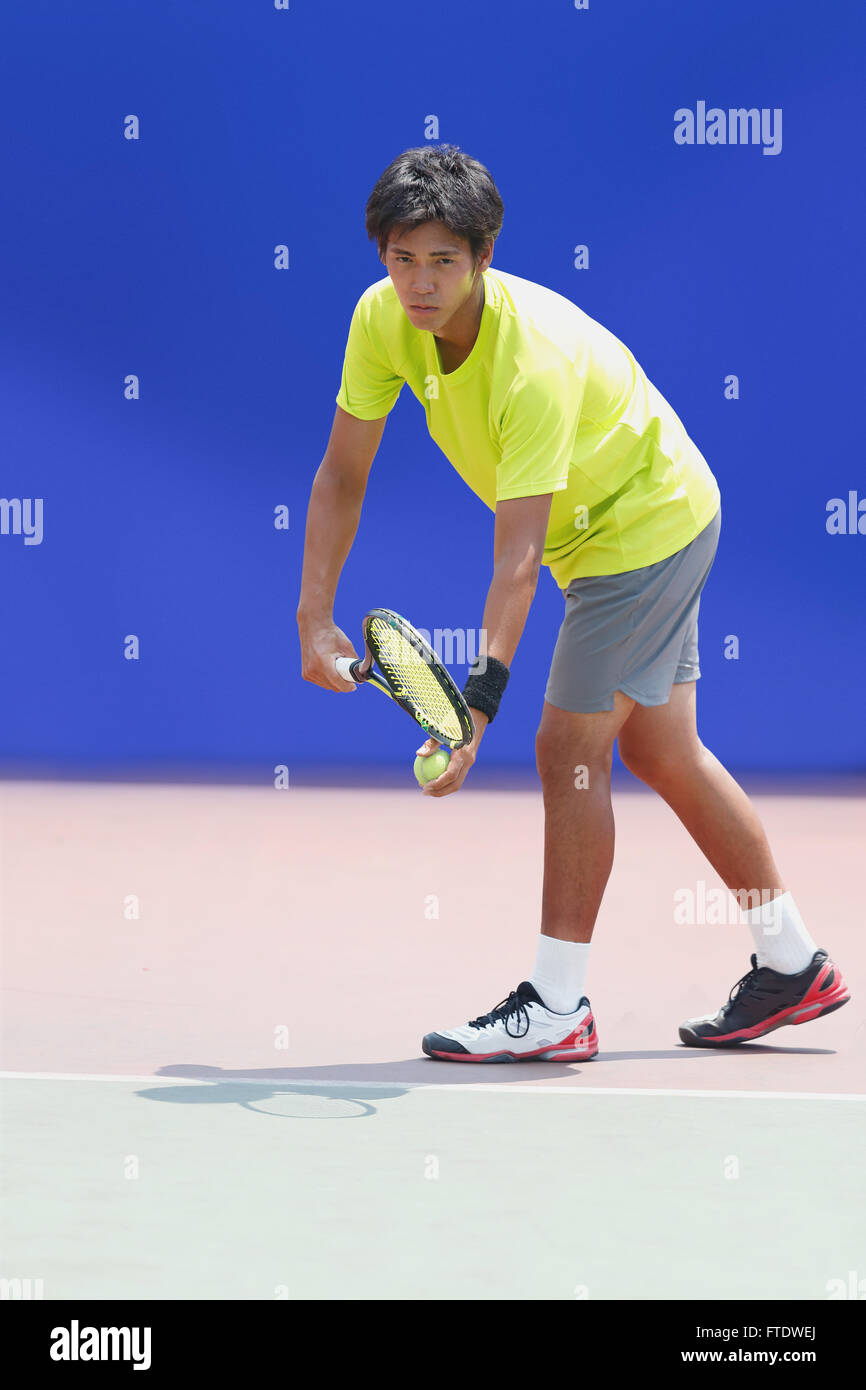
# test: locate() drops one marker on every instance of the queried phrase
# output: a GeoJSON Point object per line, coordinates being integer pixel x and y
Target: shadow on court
{"type": "Point", "coordinates": [427, 1072]}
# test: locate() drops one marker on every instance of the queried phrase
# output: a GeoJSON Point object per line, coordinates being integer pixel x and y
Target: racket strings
{"type": "Point", "coordinates": [414, 678]}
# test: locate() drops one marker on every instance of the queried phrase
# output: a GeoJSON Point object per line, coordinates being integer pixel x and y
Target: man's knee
{"type": "Point", "coordinates": [656, 764]}
{"type": "Point", "coordinates": [644, 768]}
{"type": "Point", "coordinates": [550, 750]}
{"type": "Point", "coordinates": [562, 746]}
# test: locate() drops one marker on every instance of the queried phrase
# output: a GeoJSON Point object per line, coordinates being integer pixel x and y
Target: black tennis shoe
{"type": "Point", "coordinates": [765, 999]}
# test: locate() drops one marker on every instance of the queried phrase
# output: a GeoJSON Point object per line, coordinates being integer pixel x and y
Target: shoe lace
{"type": "Point", "coordinates": [751, 985]}
{"type": "Point", "coordinates": [505, 1011]}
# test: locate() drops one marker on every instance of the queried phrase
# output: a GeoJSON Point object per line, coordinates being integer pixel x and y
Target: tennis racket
{"type": "Point", "coordinates": [412, 676]}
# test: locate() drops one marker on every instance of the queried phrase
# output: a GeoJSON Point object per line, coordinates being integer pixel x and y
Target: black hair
{"type": "Point", "coordinates": [435, 183]}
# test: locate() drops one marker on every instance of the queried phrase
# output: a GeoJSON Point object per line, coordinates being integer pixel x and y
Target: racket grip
{"type": "Point", "coordinates": [344, 667]}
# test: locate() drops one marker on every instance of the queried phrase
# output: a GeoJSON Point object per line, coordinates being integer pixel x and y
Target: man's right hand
{"type": "Point", "coordinates": [321, 642]}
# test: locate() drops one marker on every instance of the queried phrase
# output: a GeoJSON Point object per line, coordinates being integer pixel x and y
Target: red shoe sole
{"type": "Point", "coordinates": [542, 1056]}
{"type": "Point", "coordinates": [561, 1053]}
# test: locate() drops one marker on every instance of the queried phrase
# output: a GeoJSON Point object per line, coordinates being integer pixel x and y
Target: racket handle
{"type": "Point", "coordinates": [344, 668]}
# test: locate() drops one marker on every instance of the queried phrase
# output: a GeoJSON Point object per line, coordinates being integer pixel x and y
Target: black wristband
{"type": "Point", "coordinates": [484, 689]}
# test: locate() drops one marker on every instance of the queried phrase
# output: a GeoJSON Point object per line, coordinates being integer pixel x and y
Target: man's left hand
{"type": "Point", "coordinates": [451, 780]}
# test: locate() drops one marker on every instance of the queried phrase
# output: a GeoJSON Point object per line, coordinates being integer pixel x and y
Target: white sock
{"type": "Point", "coordinates": [559, 973]}
{"type": "Point", "coordinates": [781, 940]}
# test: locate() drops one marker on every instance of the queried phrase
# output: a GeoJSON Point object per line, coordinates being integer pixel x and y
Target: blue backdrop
{"type": "Point", "coordinates": [263, 125]}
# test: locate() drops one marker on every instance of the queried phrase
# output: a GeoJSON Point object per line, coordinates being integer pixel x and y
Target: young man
{"type": "Point", "coordinates": [553, 424]}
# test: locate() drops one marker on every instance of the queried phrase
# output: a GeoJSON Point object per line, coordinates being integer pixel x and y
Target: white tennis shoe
{"type": "Point", "coordinates": [520, 1029]}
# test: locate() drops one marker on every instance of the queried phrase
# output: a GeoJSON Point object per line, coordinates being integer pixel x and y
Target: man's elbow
{"type": "Point", "coordinates": [522, 568]}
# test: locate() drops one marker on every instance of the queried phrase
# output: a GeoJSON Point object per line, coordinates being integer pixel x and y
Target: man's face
{"type": "Point", "coordinates": [433, 273]}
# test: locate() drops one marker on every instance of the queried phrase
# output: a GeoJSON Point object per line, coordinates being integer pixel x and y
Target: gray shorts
{"type": "Point", "coordinates": [636, 632]}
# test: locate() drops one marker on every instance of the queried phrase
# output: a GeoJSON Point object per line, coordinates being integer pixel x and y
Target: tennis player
{"type": "Point", "coordinates": [552, 422]}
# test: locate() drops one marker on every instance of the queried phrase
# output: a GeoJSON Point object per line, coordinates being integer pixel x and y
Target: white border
{"type": "Point", "coordinates": [540, 1088]}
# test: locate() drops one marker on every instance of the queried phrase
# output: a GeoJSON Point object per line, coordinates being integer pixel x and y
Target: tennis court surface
{"type": "Point", "coordinates": [213, 1087]}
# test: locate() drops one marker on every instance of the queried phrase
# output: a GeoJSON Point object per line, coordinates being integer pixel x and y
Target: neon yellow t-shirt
{"type": "Point", "coordinates": [548, 400]}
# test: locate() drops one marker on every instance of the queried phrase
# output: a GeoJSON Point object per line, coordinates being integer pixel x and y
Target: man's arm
{"type": "Point", "coordinates": [332, 523]}
{"type": "Point", "coordinates": [518, 545]}
{"type": "Point", "coordinates": [521, 526]}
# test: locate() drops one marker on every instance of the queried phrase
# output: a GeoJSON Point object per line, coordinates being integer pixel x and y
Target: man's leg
{"type": "Point", "coordinates": [660, 746]}
{"type": "Point", "coordinates": [793, 981]}
{"type": "Point", "coordinates": [574, 753]}
{"type": "Point", "coordinates": [548, 1017]}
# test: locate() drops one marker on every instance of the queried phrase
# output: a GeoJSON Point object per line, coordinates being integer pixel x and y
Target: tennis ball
{"type": "Point", "coordinates": [426, 769]}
